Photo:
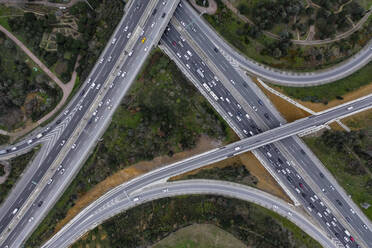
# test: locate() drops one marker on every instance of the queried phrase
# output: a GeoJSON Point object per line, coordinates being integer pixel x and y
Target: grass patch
{"type": "Point", "coordinates": [4, 139]}
{"type": "Point", "coordinates": [18, 165]}
{"type": "Point", "coordinates": [162, 114]}
{"type": "Point", "coordinates": [252, 225]}
{"type": "Point", "coordinates": [335, 90]}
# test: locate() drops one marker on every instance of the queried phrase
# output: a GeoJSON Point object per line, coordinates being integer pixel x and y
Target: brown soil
{"type": "Point", "coordinates": [204, 144]}
{"type": "Point", "coordinates": [359, 120]}
{"type": "Point", "coordinates": [289, 111]}
{"type": "Point", "coordinates": [335, 126]}
{"type": "Point", "coordinates": [362, 91]}
{"type": "Point", "coordinates": [265, 181]}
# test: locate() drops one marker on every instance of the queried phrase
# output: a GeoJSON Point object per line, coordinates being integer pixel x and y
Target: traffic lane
{"type": "Point", "coordinates": [115, 203]}
{"type": "Point", "coordinates": [43, 168]}
{"type": "Point", "coordinates": [277, 75]}
{"type": "Point", "coordinates": [306, 200]}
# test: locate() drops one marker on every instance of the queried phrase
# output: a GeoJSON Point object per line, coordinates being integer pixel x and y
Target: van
{"type": "Point", "coordinates": [39, 135]}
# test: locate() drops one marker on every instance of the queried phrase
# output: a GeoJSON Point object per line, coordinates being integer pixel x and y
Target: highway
{"type": "Point", "coordinates": [258, 106]}
{"type": "Point", "coordinates": [276, 76]}
{"type": "Point", "coordinates": [94, 108]}
{"type": "Point", "coordinates": [120, 199]}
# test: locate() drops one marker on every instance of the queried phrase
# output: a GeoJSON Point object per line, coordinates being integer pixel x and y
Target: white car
{"type": "Point", "coordinates": [232, 81]}
{"type": "Point", "coordinates": [109, 107]}
{"type": "Point", "coordinates": [111, 85]}
{"type": "Point", "coordinates": [95, 113]}
{"type": "Point", "coordinates": [239, 107]}
{"type": "Point", "coordinates": [113, 41]}
{"type": "Point", "coordinates": [123, 74]}
{"type": "Point", "coordinates": [145, 49]}
{"type": "Point", "coordinates": [59, 167]}
{"type": "Point", "coordinates": [100, 104]}
{"type": "Point", "coordinates": [96, 119]}
{"type": "Point", "coordinates": [31, 219]}
{"type": "Point", "coordinates": [29, 141]}
{"type": "Point", "coordinates": [119, 73]}
{"type": "Point", "coordinates": [73, 146]}
{"type": "Point", "coordinates": [128, 35]}
{"type": "Point", "coordinates": [152, 24]}
{"type": "Point", "coordinates": [100, 61]}
{"type": "Point", "coordinates": [126, 29]}
{"type": "Point", "coordinates": [254, 108]}
{"type": "Point", "coordinates": [352, 210]}
{"type": "Point", "coordinates": [130, 53]}
{"type": "Point", "coordinates": [66, 112]}
{"type": "Point", "coordinates": [188, 66]}
{"type": "Point", "coordinates": [50, 181]}
{"type": "Point", "coordinates": [80, 107]}
{"type": "Point", "coordinates": [108, 101]}
{"type": "Point", "coordinates": [237, 148]}
{"type": "Point", "coordinates": [231, 115]}
{"type": "Point", "coordinates": [62, 171]}
{"type": "Point", "coordinates": [245, 131]}
{"type": "Point", "coordinates": [179, 55]}
{"type": "Point", "coordinates": [98, 86]}
{"type": "Point", "coordinates": [63, 142]}
{"type": "Point", "coordinates": [239, 119]}
{"type": "Point", "coordinates": [109, 59]}
{"type": "Point", "coordinates": [92, 85]}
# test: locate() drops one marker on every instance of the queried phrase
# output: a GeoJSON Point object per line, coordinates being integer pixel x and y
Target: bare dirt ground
{"type": "Point", "coordinates": [289, 111]}
{"type": "Point", "coordinates": [358, 121]}
{"type": "Point", "coordinates": [204, 144]}
{"type": "Point", "coordinates": [265, 181]}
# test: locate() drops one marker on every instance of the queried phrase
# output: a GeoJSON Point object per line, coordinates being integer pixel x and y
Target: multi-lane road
{"type": "Point", "coordinates": [259, 110]}
{"type": "Point", "coordinates": [117, 67]}
{"type": "Point", "coordinates": [285, 77]}
{"type": "Point", "coordinates": [89, 113]}
{"type": "Point", "coordinates": [120, 199]}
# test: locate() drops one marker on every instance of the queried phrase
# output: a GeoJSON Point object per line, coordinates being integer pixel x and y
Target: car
{"type": "Point", "coordinates": [154, 12]}
{"type": "Point", "coordinates": [66, 112]}
{"type": "Point", "coordinates": [126, 29]}
{"type": "Point", "coordinates": [321, 175]}
{"type": "Point", "coordinates": [119, 73]}
{"type": "Point", "coordinates": [163, 15]}
{"type": "Point", "coordinates": [267, 116]}
{"type": "Point", "coordinates": [238, 105]}
{"type": "Point", "coordinates": [352, 211]}
{"type": "Point", "coordinates": [189, 53]}
{"type": "Point", "coordinates": [269, 154]}
{"type": "Point", "coordinates": [130, 53]}
{"type": "Point", "coordinates": [50, 181]}
{"type": "Point", "coordinates": [301, 185]}
{"type": "Point", "coordinates": [109, 59]}
{"type": "Point", "coordinates": [186, 57]}
{"type": "Point", "coordinates": [251, 133]}
{"type": "Point", "coordinates": [215, 49]}
{"type": "Point", "coordinates": [135, 199]}
{"type": "Point", "coordinates": [165, 190]}
{"type": "Point", "coordinates": [164, 2]}
{"type": "Point", "coordinates": [111, 85]}
{"type": "Point", "coordinates": [82, 93]}
{"type": "Point", "coordinates": [179, 55]}
{"type": "Point", "coordinates": [312, 199]}
{"type": "Point", "coordinates": [297, 190]}
{"type": "Point", "coordinates": [174, 43]}
{"type": "Point", "coordinates": [109, 107]}
{"type": "Point", "coordinates": [245, 131]}
{"type": "Point", "coordinates": [346, 239]}
{"type": "Point", "coordinates": [275, 206]}
{"type": "Point", "coordinates": [183, 39]}
{"type": "Point", "coordinates": [237, 148]}
{"type": "Point", "coordinates": [80, 107]}
{"type": "Point", "coordinates": [108, 101]}
{"type": "Point", "coordinates": [152, 24]}
{"type": "Point", "coordinates": [289, 179]}
{"type": "Point", "coordinates": [248, 117]}
{"type": "Point", "coordinates": [95, 112]}
{"type": "Point", "coordinates": [254, 108]}
{"type": "Point", "coordinates": [40, 203]}
{"type": "Point", "coordinates": [231, 115]}
{"type": "Point", "coordinates": [365, 226]}
{"type": "Point", "coordinates": [100, 104]}
{"type": "Point", "coordinates": [96, 119]}
{"type": "Point", "coordinates": [123, 74]}
{"type": "Point", "coordinates": [260, 102]}
{"type": "Point", "coordinates": [143, 40]}
{"type": "Point", "coordinates": [188, 66]}
{"type": "Point", "coordinates": [350, 108]}
{"type": "Point", "coordinates": [73, 146]}
{"type": "Point", "coordinates": [303, 152]}
{"type": "Point", "coordinates": [63, 142]}
{"type": "Point", "coordinates": [31, 219]}
{"type": "Point", "coordinates": [146, 48]}
{"type": "Point", "coordinates": [309, 209]}
{"type": "Point", "coordinates": [183, 24]}
{"type": "Point", "coordinates": [62, 171]}
{"type": "Point", "coordinates": [239, 119]}
{"type": "Point", "coordinates": [339, 202]}
{"type": "Point", "coordinates": [232, 81]}
{"type": "Point", "coordinates": [328, 224]}
{"type": "Point", "coordinates": [101, 61]}
{"type": "Point", "coordinates": [29, 141]}
{"type": "Point", "coordinates": [98, 86]}
{"type": "Point", "coordinates": [228, 100]}
{"type": "Point", "coordinates": [321, 203]}
{"type": "Point", "coordinates": [59, 167]}
{"type": "Point", "coordinates": [113, 41]}
{"type": "Point", "coordinates": [128, 35]}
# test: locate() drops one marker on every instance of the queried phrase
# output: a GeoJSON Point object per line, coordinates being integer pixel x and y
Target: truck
{"type": "Point", "coordinates": [39, 135]}
{"type": "Point", "coordinates": [200, 72]}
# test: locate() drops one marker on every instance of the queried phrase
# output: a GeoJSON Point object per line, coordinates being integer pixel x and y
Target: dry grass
{"type": "Point", "coordinates": [289, 111]}
{"type": "Point", "coordinates": [359, 120]}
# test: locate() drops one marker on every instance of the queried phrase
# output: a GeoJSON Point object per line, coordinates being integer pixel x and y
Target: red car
{"type": "Point", "coordinates": [301, 185]}
{"type": "Point", "coordinates": [351, 238]}
{"type": "Point", "coordinates": [174, 43]}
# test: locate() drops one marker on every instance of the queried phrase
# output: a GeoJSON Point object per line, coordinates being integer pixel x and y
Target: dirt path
{"type": "Point", "coordinates": [66, 88]}
{"type": "Point", "coordinates": [308, 41]}
{"type": "Point", "coordinates": [7, 169]}
{"type": "Point", "coordinates": [44, 2]}
{"type": "Point", "coordinates": [212, 8]}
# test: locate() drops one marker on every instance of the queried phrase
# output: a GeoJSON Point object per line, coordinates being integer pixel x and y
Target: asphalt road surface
{"type": "Point", "coordinates": [283, 77]}
{"type": "Point", "coordinates": [193, 62]}
{"type": "Point", "coordinates": [120, 199]}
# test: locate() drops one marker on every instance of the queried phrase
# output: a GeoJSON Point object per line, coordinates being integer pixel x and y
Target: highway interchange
{"type": "Point", "coordinates": [97, 114]}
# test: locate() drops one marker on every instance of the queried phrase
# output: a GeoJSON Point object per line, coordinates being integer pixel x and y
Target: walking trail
{"type": "Point", "coordinates": [308, 40]}
{"type": "Point", "coordinates": [66, 88]}
{"type": "Point", "coordinates": [212, 8]}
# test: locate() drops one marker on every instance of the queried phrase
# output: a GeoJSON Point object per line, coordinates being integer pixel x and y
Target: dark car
{"type": "Point", "coordinates": [82, 92]}
{"type": "Point", "coordinates": [338, 202]}
{"type": "Point", "coordinates": [303, 195]}
{"type": "Point", "coordinates": [267, 116]}
{"type": "Point", "coordinates": [215, 49]}
{"type": "Point", "coordinates": [154, 12]}
{"type": "Point", "coordinates": [321, 175]}
{"type": "Point", "coordinates": [163, 15]}
{"type": "Point", "coordinates": [260, 102]}
{"type": "Point", "coordinates": [303, 152]}
{"type": "Point", "coordinates": [289, 178]}
{"type": "Point", "coordinates": [40, 203]}
{"type": "Point", "coordinates": [58, 121]}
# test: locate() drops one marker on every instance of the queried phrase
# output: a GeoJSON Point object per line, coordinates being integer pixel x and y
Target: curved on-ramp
{"type": "Point", "coordinates": [118, 200]}
{"type": "Point", "coordinates": [281, 77]}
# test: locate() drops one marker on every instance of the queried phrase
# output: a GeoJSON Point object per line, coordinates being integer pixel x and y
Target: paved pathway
{"type": "Point", "coordinates": [66, 88]}
{"type": "Point", "coordinates": [212, 7]}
